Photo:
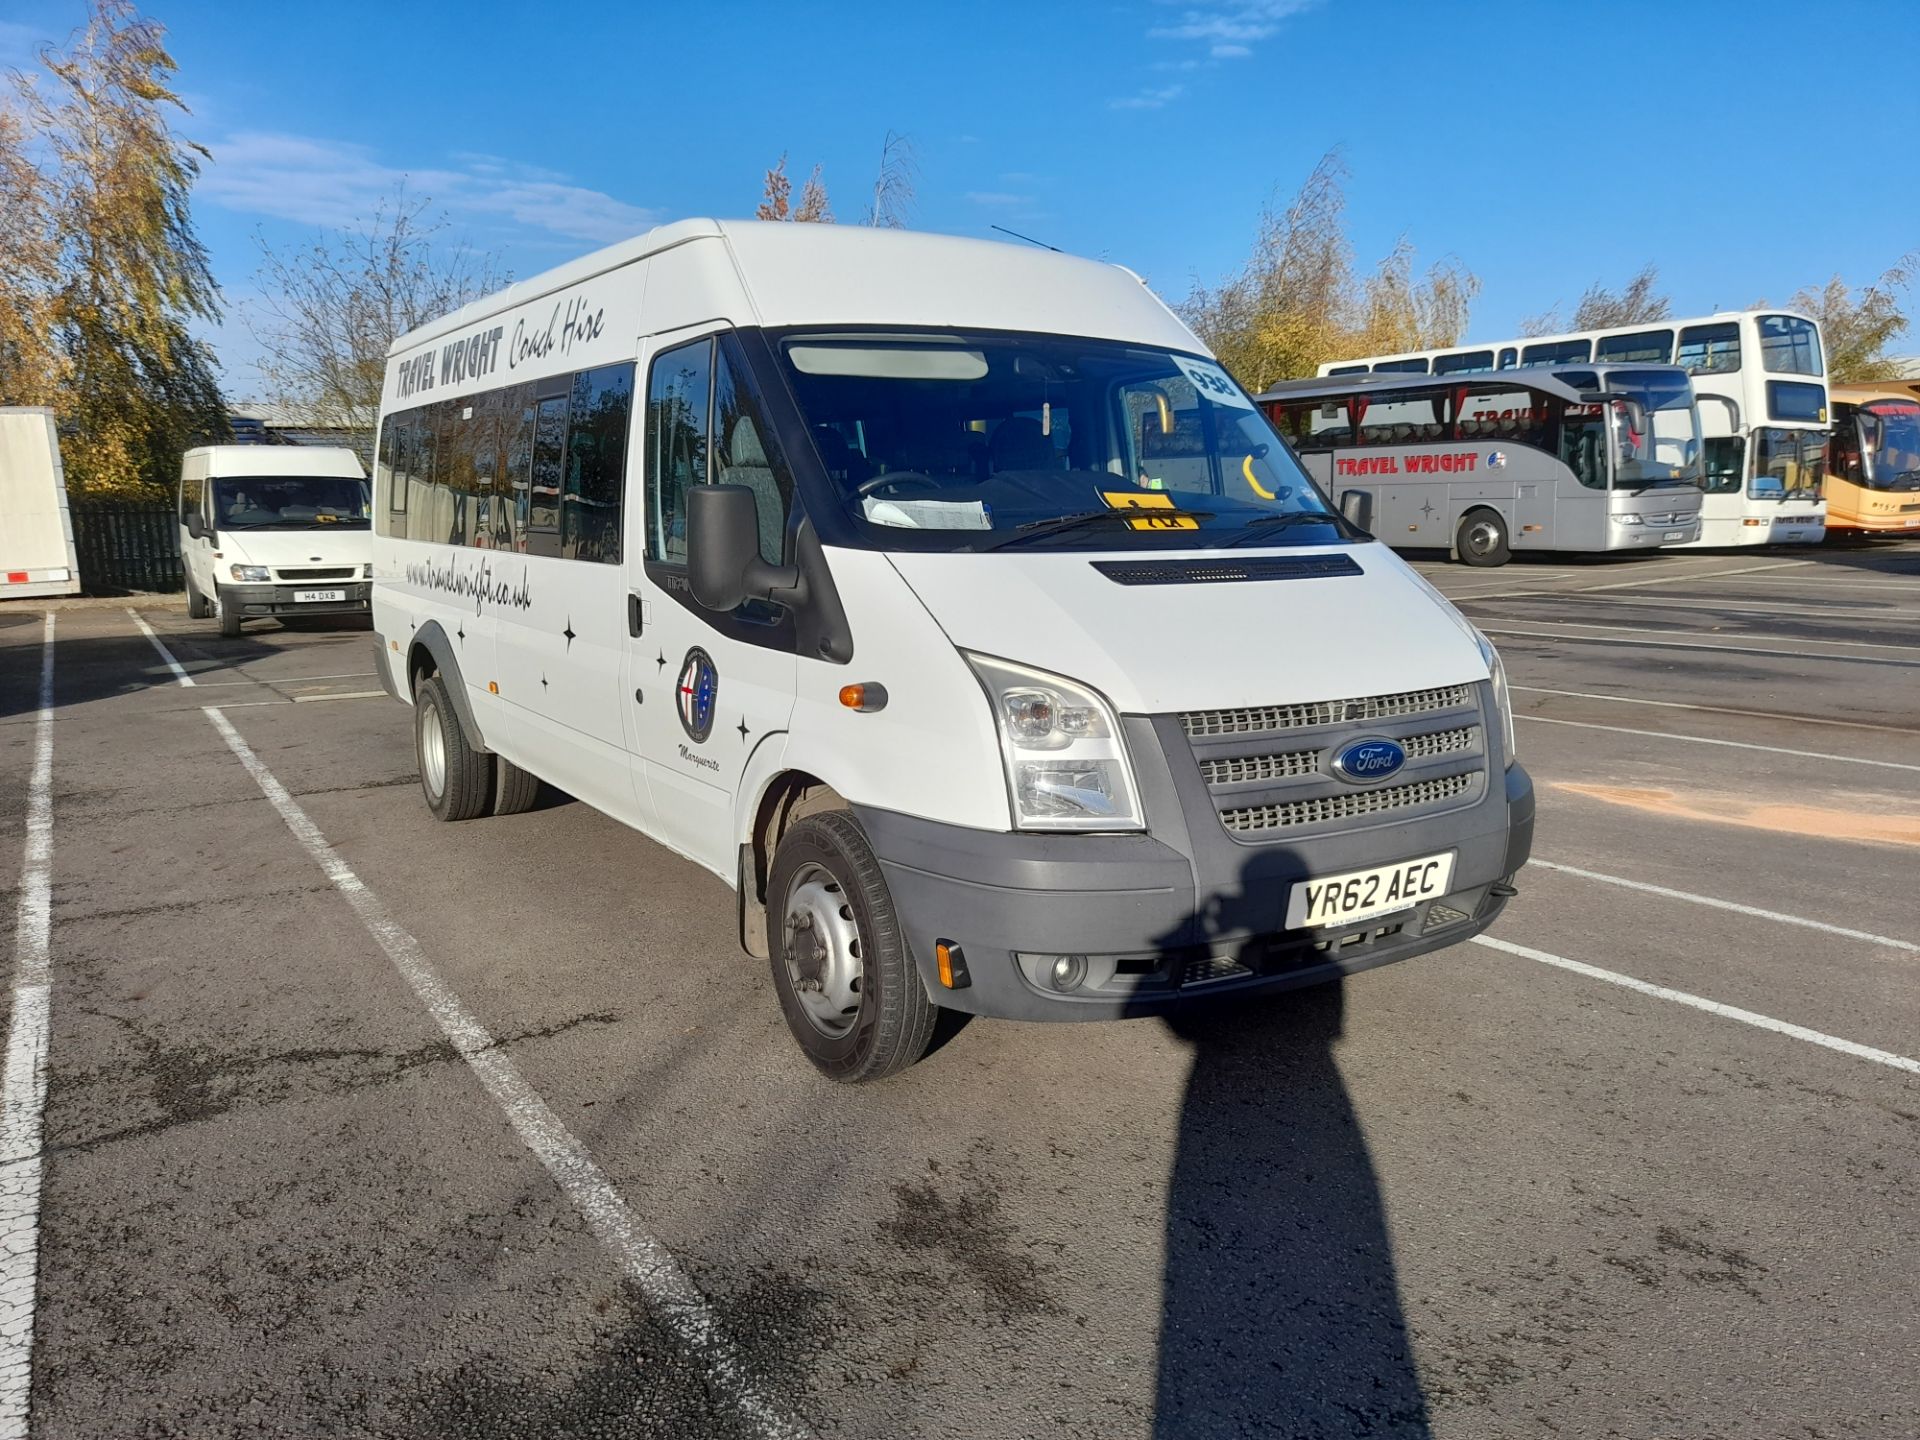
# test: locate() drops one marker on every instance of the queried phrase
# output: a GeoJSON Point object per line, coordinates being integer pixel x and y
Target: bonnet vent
{"type": "Point", "coordinates": [1220, 569]}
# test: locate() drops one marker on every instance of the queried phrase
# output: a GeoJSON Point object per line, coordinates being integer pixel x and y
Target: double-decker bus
{"type": "Point", "coordinates": [1760, 377]}
{"type": "Point", "coordinates": [1874, 484]}
{"type": "Point", "coordinates": [1590, 457]}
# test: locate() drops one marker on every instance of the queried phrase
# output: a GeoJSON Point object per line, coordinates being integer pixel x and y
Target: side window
{"type": "Point", "coordinates": [513, 490]}
{"type": "Point", "coordinates": [1710, 349]}
{"type": "Point", "coordinates": [1513, 415]}
{"type": "Point", "coordinates": [596, 466]}
{"type": "Point", "coordinates": [457, 470]}
{"type": "Point", "coordinates": [545, 473]}
{"type": "Point", "coordinates": [1559, 352]}
{"type": "Point", "coordinates": [1330, 424]}
{"type": "Point", "coordinates": [383, 476]}
{"type": "Point", "coordinates": [679, 392]}
{"type": "Point", "coordinates": [746, 453]}
{"type": "Point", "coordinates": [1414, 418]}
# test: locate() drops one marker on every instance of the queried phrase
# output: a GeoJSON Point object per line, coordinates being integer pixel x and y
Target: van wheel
{"type": "Point", "coordinates": [198, 607]}
{"type": "Point", "coordinates": [846, 981]}
{"type": "Point", "coordinates": [1482, 538]}
{"type": "Point", "coordinates": [456, 778]}
{"type": "Point", "coordinates": [514, 789]}
{"type": "Point", "coordinates": [229, 617]}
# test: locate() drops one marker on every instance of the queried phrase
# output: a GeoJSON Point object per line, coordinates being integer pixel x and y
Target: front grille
{"type": "Point", "coordinates": [328, 572]}
{"type": "Point", "coordinates": [1252, 721]}
{"type": "Point", "coordinates": [1259, 767]}
{"type": "Point", "coordinates": [1346, 805]}
{"type": "Point", "coordinates": [1440, 742]}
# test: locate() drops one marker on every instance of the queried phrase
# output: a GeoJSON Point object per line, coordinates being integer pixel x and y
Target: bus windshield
{"type": "Point", "coordinates": [1657, 438]}
{"type": "Point", "coordinates": [978, 441]}
{"type": "Point", "coordinates": [1890, 444]}
{"type": "Point", "coordinates": [290, 502]}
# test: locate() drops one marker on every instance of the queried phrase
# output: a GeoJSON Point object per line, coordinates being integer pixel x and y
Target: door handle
{"type": "Point", "coordinates": [633, 614]}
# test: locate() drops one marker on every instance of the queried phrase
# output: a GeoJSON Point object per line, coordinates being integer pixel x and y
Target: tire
{"type": "Point", "coordinates": [514, 789]}
{"type": "Point", "coordinates": [1482, 538]}
{"type": "Point", "coordinates": [229, 619]}
{"type": "Point", "coordinates": [456, 779]}
{"type": "Point", "coordinates": [826, 893]}
{"type": "Point", "coordinates": [198, 606]}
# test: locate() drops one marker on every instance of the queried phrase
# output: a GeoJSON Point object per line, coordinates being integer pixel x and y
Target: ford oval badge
{"type": "Point", "coordinates": [1368, 760]}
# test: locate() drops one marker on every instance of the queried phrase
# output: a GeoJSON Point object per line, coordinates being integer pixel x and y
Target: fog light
{"type": "Point", "coordinates": [1066, 972]}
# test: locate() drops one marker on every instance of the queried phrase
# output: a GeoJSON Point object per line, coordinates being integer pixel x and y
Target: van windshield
{"type": "Point", "coordinates": [975, 441]}
{"type": "Point", "coordinates": [289, 502]}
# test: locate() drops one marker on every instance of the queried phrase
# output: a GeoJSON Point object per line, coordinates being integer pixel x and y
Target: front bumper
{"type": "Point", "coordinates": [278, 599]}
{"type": "Point", "coordinates": [1649, 537]}
{"type": "Point", "coordinates": [1161, 929]}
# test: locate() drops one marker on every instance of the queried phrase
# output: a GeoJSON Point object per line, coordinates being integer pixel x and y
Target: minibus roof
{"type": "Point", "coordinates": [854, 275]}
{"type": "Point", "coordinates": [262, 460]}
{"type": "Point", "coordinates": [1544, 378]}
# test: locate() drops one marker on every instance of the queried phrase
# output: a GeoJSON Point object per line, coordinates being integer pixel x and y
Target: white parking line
{"type": "Point", "coordinates": [672, 1296]}
{"type": "Point", "coordinates": [1733, 635]}
{"type": "Point", "coordinates": [1712, 1007]}
{"type": "Point", "coordinates": [1729, 744]}
{"type": "Point", "coordinates": [179, 670]}
{"type": "Point", "coordinates": [23, 1090]}
{"type": "Point", "coordinates": [343, 695]}
{"type": "Point", "coordinates": [1493, 629]}
{"type": "Point", "coordinates": [1714, 709]}
{"type": "Point", "coordinates": [1737, 909]}
{"type": "Point", "coordinates": [1665, 579]}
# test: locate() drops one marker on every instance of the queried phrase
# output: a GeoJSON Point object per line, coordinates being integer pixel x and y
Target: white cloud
{"type": "Point", "coordinates": [1230, 52]}
{"type": "Point", "coordinates": [315, 181]}
{"type": "Point", "coordinates": [1148, 99]}
{"type": "Point", "coordinates": [996, 197]}
{"type": "Point", "coordinates": [1233, 23]}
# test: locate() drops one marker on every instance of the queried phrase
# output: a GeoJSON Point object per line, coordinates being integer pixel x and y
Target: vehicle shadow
{"type": "Point", "coordinates": [1280, 1308]}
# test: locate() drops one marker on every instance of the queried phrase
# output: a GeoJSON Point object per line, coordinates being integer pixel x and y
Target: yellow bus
{"type": "Point", "coordinates": [1873, 477]}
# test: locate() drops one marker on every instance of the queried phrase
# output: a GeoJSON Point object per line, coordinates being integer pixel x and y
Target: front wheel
{"type": "Point", "coordinates": [229, 616]}
{"type": "Point", "coordinates": [198, 607]}
{"type": "Point", "coordinates": [846, 981]}
{"type": "Point", "coordinates": [456, 778]}
{"type": "Point", "coordinates": [1482, 538]}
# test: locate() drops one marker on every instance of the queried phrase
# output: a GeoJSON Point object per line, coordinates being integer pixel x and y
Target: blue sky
{"type": "Point", "coordinates": [1543, 146]}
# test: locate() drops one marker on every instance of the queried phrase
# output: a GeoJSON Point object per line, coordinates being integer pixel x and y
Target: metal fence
{"type": "Point", "coordinates": [127, 545]}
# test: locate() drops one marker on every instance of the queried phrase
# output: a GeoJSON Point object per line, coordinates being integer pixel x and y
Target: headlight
{"type": "Point", "coordinates": [1626, 519]}
{"type": "Point", "coordinates": [1501, 700]}
{"type": "Point", "coordinates": [1066, 762]}
{"type": "Point", "coordinates": [253, 573]}
{"type": "Point", "coordinates": [366, 570]}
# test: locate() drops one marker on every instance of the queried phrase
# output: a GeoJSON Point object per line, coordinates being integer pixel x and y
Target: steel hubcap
{"type": "Point", "coordinates": [433, 752]}
{"type": "Point", "coordinates": [822, 952]}
{"type": "Point", "coordinates": [1482, 537]}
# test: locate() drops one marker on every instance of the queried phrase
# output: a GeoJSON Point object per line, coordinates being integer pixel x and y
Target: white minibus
{"type": "Point", "coordinates": [272, 531]}
{"type": "Point", "coordinates": [949, 602]}
{"type": "Point", "coordinates": [1600, 457]}
{"type": "Point", "coordinates": [36, 529]}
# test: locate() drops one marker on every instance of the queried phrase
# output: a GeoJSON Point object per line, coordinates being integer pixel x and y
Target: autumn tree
{"type": "Point", "coordinates": [778, 191]}
{"type": "Point", "coordinates": [1638, 302]}
{"type": "Point", "coordinates": [1298, 300]}
{"type": "Point", "coordinates": [890, 206]}
{"type": "Point", "coordinates": [1859, 325]}
{"type": "Point", "coordinates": [333, 306]}
{"type": "Point", "coordinates": [103, 260]}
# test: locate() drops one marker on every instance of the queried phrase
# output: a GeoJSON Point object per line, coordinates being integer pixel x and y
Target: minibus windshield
{"type": "Point", "coordinates": [290, 502]}
{"type": "Point", "coordinates": [976, 441]}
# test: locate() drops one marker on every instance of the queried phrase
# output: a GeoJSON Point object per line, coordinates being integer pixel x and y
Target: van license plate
{"type": "Point", "coordinates": [301, 596]}
{"type": "Point", "coordinates": [1362, 894]}
{"type": "Point", "coordinates": [1674, 535]}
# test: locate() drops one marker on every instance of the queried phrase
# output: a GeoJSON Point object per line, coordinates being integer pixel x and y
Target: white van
{"type": "Point", "coordinates": [952, 604]}
{"type": "Point", "coordinates": [274, 530]}
{"type": "Point", "coordinates": [36, 529]}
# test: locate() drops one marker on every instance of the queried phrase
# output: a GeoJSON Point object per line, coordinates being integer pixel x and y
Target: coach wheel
{"type": "Point", "coordinates": [1482, 538]}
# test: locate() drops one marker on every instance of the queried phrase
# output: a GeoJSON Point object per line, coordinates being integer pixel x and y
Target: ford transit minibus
{"type": "Point", "coordinates": [950, 603]}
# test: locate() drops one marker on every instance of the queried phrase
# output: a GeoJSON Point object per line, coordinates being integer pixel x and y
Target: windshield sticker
{"type": "Point", "coordinates": [1211, 381]}
{"type": "Point", "coordinates": [1148, 500]}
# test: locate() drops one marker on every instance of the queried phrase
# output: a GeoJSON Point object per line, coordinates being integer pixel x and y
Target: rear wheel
{"type": "Point", "coordinates": [456, 778]}
{"type": "Point", "coordinates": [1482, 538]}
{"type": "Point", "coordinates": [847, 984]}
{"type": "Point", "coordinates": [514, 789]}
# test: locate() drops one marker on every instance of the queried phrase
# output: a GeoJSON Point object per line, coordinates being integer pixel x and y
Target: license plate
{"type": "Point", "coordinates": [302, 596]}
{"type": "Point", "coordinates": [1362, 894]}
{"type": "Point", "coordinates": [1674, 535]}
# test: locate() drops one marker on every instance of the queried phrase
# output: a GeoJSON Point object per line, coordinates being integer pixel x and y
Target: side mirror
{"type": "Point", "coordinates": [198, 528]}
{"type": "Point", "coordinates": [724, 566]}
{"type": "Point", "coordinates": [1357, 507]}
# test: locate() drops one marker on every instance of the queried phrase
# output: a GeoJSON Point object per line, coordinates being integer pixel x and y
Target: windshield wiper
{"type": "Point", "coordinates": [1283, 520]}
{"type": "Point", "coordinates": [1060, 524]}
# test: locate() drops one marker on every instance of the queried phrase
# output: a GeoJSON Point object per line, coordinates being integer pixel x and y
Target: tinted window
{"type": "Point", "coordinates": [1401, 367]}
{"type": "Point", "coordinates": [1647, 347]}
{"type": "Point", "coordinates": [745, 453]}
{"type": "Point", "coordinates": [1348, 370]}
{"type": "Point", "coordinates": [545, 473]}
{"type": "Point", "coordinates": [1464, 362]}
{"type": "Point", "coordinates": [596, 467]}
{"type": "Point", "coordinates": [1410, 417]}
{"type": "Point", "coordinates": [1493, 413]}
{"type": "Point", "coordinates": [678, 396]}
{"type": "Point", "coordinates": [1792, 400]}
{"type": "Point", "coordinates": [1789, 346]}
{"type": "Point", "coordinates": [1557, 352]}
{"type": "Point", "coordinates": [1509, 357]}
{"type": "Point", "coordinates": [1710, 349]}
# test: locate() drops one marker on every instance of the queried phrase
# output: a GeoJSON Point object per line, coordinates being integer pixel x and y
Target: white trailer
{"type": "Point", "coordinates": [36, 532]}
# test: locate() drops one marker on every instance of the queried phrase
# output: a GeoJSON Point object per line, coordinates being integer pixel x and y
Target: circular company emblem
{"type": "Point", "coordinates": [1496, 459]}
{"type": "Point", "coordinates": [699, 692]}
{"type": "Point", "coordinates": [1364, 761]}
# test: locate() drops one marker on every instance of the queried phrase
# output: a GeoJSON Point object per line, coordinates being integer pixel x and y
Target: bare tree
{"type": "Point", "coordinates": [334, 307]}
{"type": "Point", "coordinates": [1637, 303]}
{"type": "Point", "coordinates": [1858, 327]}
{"type": "Point", "coordinates": [893, 186]}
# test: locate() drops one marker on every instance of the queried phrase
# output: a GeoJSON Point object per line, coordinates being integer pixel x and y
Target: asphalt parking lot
{"type": "Point", "coordinates": [384, 1127]}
